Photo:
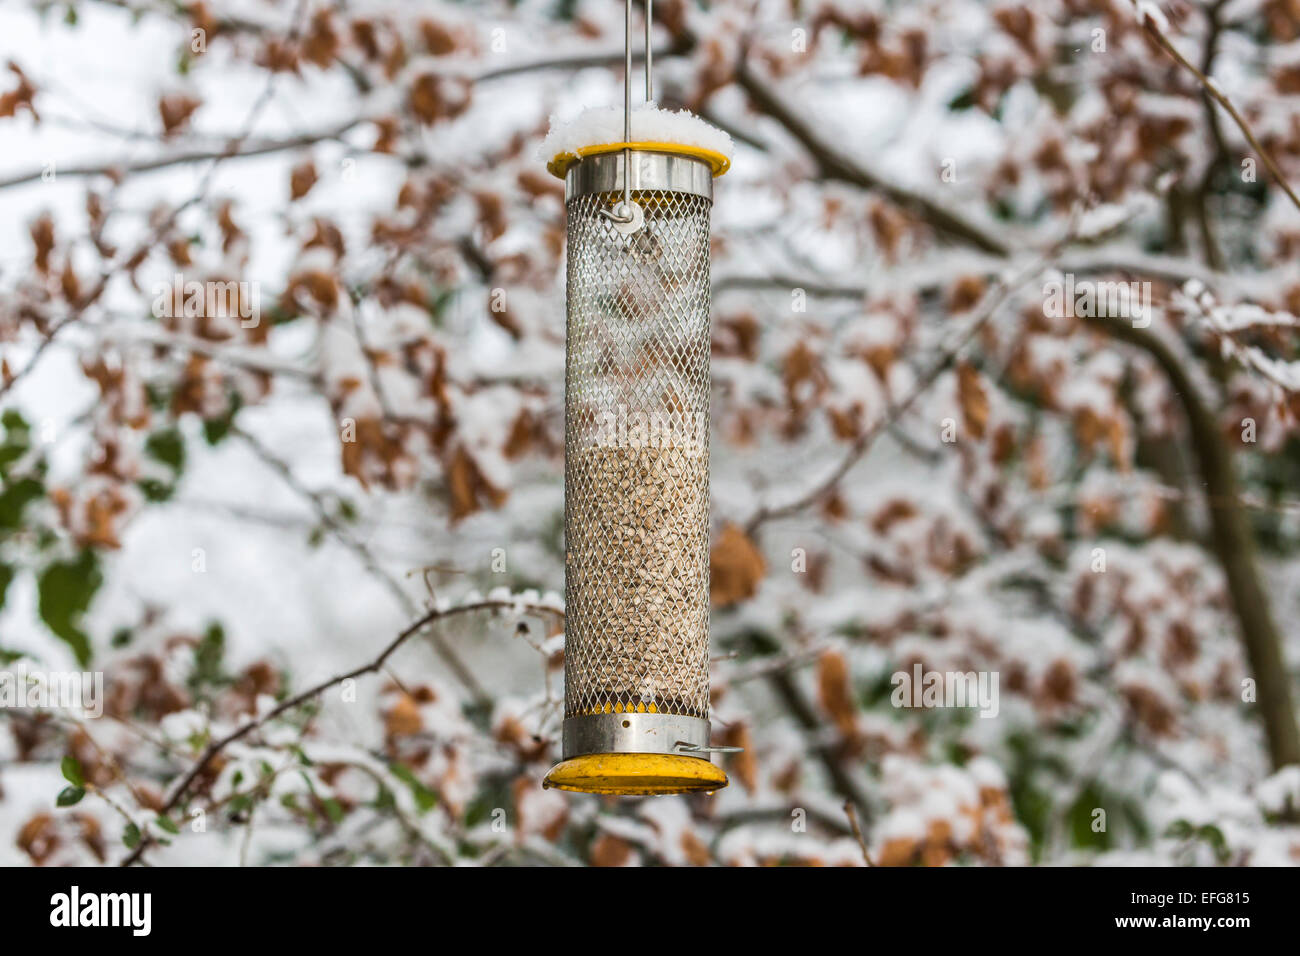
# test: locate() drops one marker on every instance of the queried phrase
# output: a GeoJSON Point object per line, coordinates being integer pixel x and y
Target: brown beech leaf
{"type": "Point", "coordinates": [301, 179]}
{"type": "Point", "coordinates": [322, 42]}
{"type": "Point", "coordinates": [735, 567]}
{"type": "Point", "coordinates": [491, 212]}
{"type": "Point", "coordinates": [434, 98]}
{"type": "Point", "coordinates": [469, 488]}
{"type": "Point", "coordinates": [42, 232]}
{"type": "Point", "coordinates": [965, 293]}
{"type": "Point", "coordinates": [736, 335]}
{"type": "Point", "coordinates": [835, 692]}
{"type": "Point", "coordinates": [438, 38]}
{"type": "Point", "coordinates": [974, 400]}
{"type": "Point", "coordinates": [1117, 438]}
{"type": "Point", "coordinates": [175, 109]}
{"type": "Point", "coordinates": [696, 850]}
{"type": "Point", "coordinates": [538, 184]}
{"type": "Point", "coordinates": [802, 375]}
{"type": "Point", "coordinates": [321, 286]}
{"type": "Point", "coordinates": [38, 838]}
{"type": "Point", "coordinates": [278, 57]}
{"type": "Point", "coordinates": [20, 96]}
{"type": "Point", "coordinates": [744, 764]}
{"type": "Point", "coordinates": [403, 719]}
{"type": "Point", "coordinates": [388, 129]}
{"type": "Point", "coordinates": [524, 433]}
{"type": "Point", "coordinates": [230, 231]}
{"type": "Point", "coordinates": [70, 284]}
{"type": "Point", "coordinates": [609, 850]}
{"type": "Point", "coordinates": [899, 851]}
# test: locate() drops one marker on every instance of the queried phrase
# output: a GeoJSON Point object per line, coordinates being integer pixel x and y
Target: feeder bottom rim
{"type": "Point", "coordinates": [635, 774]}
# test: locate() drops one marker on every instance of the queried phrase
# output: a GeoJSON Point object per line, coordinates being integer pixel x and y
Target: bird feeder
{"type": "Point", "coordinates": [636, 501]}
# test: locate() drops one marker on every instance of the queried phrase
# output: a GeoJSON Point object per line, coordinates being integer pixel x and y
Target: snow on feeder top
{"type": "Point", "coordinates": [598, 131]}
{"type": "Point", "coordinates": [638, 191]}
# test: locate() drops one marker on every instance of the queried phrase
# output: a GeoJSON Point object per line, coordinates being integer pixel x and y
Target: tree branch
{"type": "Point", "coordinates": [1153, 30]}
{"type": "Point", "coordinates": [458, 668]}
{"type": "Point", "coordinates": [836, 165]}
{"type": "Point", "coordinates": [1233, 546]}
{"type": "Point", "coordinates": [205, 758]}
{"type": "Point", "coordinates": [255, 148]}
{"type": "Point", "coordinates": [993, 301]}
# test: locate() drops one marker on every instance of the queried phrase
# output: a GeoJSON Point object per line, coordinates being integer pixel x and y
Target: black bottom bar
{"type": "Point", "coordinates": [483, 906]}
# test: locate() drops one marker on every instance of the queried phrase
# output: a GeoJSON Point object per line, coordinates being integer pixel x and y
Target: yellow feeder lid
{"type": "Point", "coordinates": [561, 162]}
{"type": "Point", "coordinates": [626, 774]}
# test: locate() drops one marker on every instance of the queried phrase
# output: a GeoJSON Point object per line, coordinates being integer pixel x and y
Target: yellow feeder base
{"type": "Point", "coordinates": [635, 774]}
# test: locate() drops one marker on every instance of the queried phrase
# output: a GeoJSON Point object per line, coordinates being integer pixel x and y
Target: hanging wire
{"type": "Point", "coordinates": [624, 213]}
{"type": "Point", "coordinates": [649, 55]}
{"type": "Point", "coordinates": [627, 112]}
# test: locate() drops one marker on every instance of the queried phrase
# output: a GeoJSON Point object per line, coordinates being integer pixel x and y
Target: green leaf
{"type": "Point", "coordinates": [1080, 816]}
{"type": "Point", "coordinates": [1212, 835]}
{"type": "Point", "coordinates": [208, 657]}
{"type": "Point", "coordinates": [131, 836]}
{"type": "Point", "coordinates": [962, 101]}
{"type": "Point", "coordinates": [65, 590]}
{"type": "Point", "coordinates": [425, 798]}
{"type": "Point", "coordinates": [6, 575]}
{"type": "Point", "coordinates": [239, 805]}
{"type": "Point", "coordinates": [333, 809]}
{"type": "Point", "coordinates": [215, 429]}
{"type": "Point", "coordinates": [71, 768]}
{"type": "Point", "coordinates": [17, 438]}
{"type": "Point", "coordinates": [13, 421]}
{"type": "Point", "coordinates": [70, 796]}
{"type": "Point", "coordinates": [154, 490]}
{"type": "Point", "coordinates": [167, 446]}
{"type": "Point", "coordinates": [167, 823]}
{"type": "Point", "coordinates": [15, 498]}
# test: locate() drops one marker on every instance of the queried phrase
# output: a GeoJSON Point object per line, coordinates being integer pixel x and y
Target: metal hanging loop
{"type": "Point", "coordinates": [627, 216]}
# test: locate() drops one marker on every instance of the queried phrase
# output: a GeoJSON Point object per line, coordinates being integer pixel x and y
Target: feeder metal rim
{"type": "Point", "coordinates": [718, 163]}
{"type": "Point", "coordinates": [663, 174]}
{"type": "Point", "coordinates": [632, 733]}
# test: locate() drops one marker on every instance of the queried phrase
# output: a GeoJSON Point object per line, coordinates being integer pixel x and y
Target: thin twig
{"type": "Point", "coordinates": [852, 813]}
{"type": "Point", "coordinates": [244, 150]}
{"type": "Point", "coordinates": [992, 302]}
{"type": "Point", "coordinates": [210, 752]}
{"type": "Point", "coordinates": [459, 670]}
{"type": "Point", "coordinates": [1153, 30]}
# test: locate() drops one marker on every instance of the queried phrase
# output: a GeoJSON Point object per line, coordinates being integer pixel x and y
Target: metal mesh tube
{"type": "Point", "coordinates": [636, 443]}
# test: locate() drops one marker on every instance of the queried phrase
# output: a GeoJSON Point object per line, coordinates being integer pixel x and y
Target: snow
{"type": "Point", "coordinates": [315, 609]}
{"type": "Point", "coordinates": [601, 125]}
